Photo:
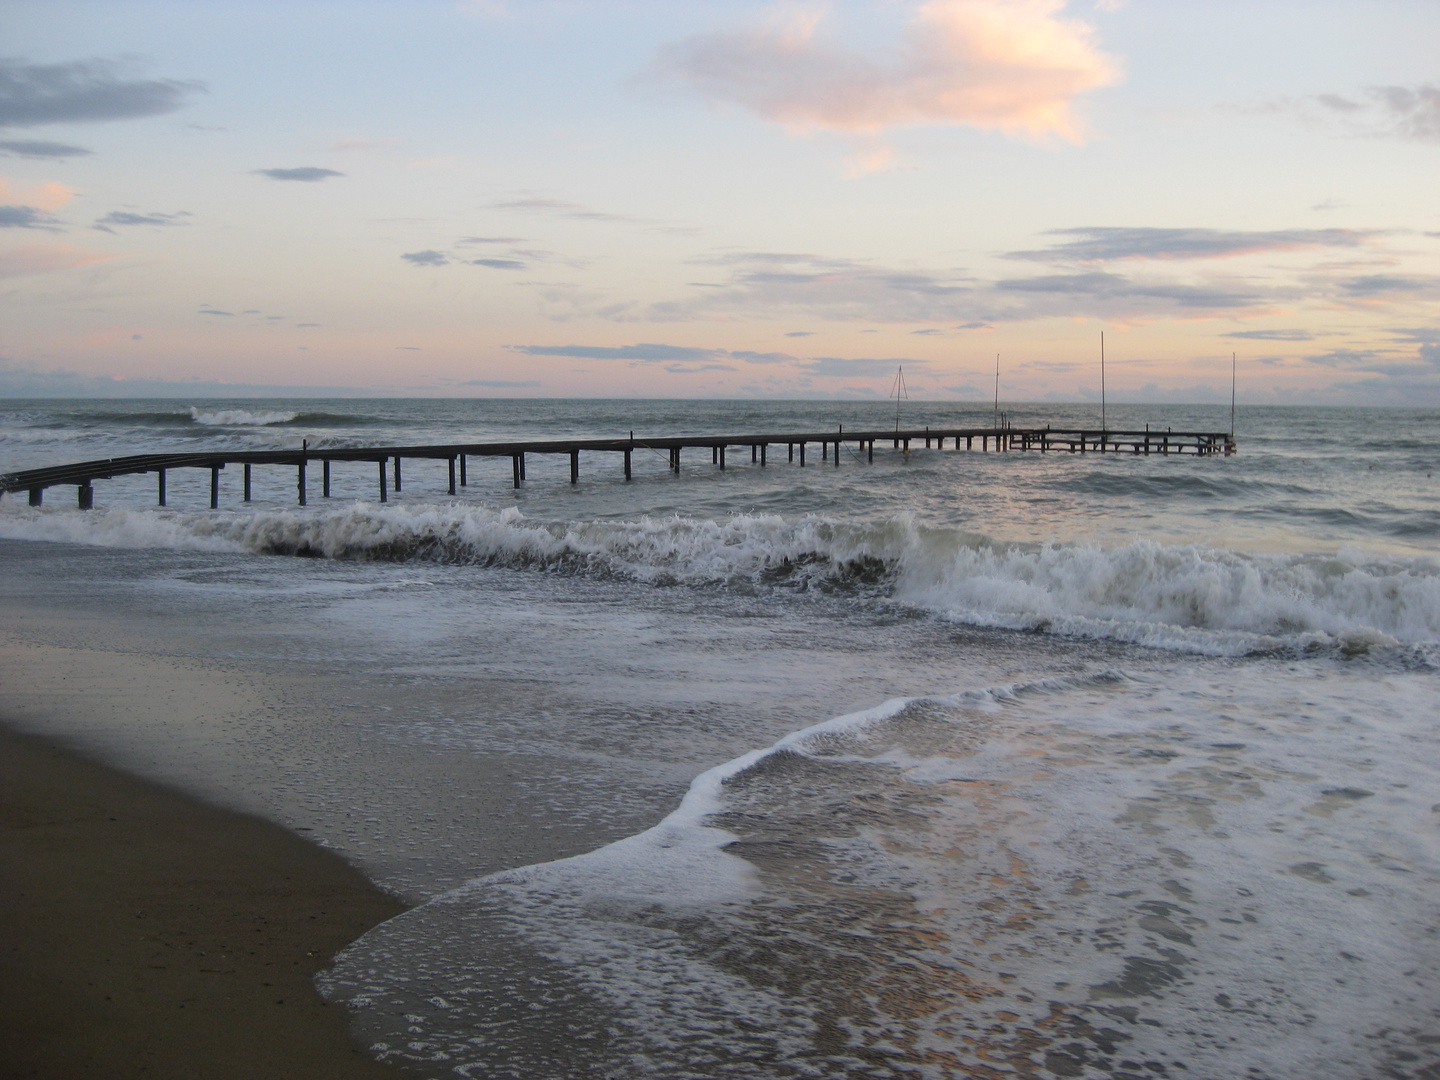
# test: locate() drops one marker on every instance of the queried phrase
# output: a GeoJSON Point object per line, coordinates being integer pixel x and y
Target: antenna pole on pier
{"type": "Point", "coordinates": [1102, 381]}
{"type": "Point", "coordinates": [997, 389]}
{"type": "Point", "coordinates": [1232, 397]}
{"type": "Point", "coordinates": [897, 391]}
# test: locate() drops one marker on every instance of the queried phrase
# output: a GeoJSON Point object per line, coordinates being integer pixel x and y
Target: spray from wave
{"type": "Point", "coordinates": [240, 417]}
{"type": "Point", "coordinates": [1186, 598]}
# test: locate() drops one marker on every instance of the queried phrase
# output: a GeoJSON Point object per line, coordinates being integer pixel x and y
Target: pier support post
{"type": "Point", "coordinates": [462, 470]}
{"type": "Point", "coordinates": [85, 496]}
{"type": "Point", "coordinates": [627, 464]}
{"type": "Point", "coordinates": [574, 466]}
{"type": "Point", "coordinates": [969, 444]}
{"type": "Point", "coordinates": [325, 477]}
{"type": "Point", "coordinates": [515, 468]}
{"type": "Point", "coordinates": [870, 448]}
{"type": "Point", "coordinates": [754, 453]}
{"type": "Point", "coordinates": [451, 462]}
{"type": "Point", "coordinates": [907, 446]}
{"type": "Point", "coordinates": [802, 455]}
{"type": "Point", "coordinates": [714, 455]}
{"type": "Point", "coordinates": [160, 484]}
{"type": "Point", "coordinates": [790, 446]}
{"type": "Point", "coordinates": [214, 487]}
{"type": "Point", "coordinates": [384, 495]}
{"type": "Point", "coordinates": [837, 453]}
{"type": "Point", "coordinates": [763, 448]}
{"type": "Point", "coordinates": [300, 480]}
{"type": "Point", "coordinates": [522, 467]}
{"type": "Point", "coordinates": [397, 474]}
{"type": "Point", "coordinates": [247, 481]}
{"type": "Point", "coordinates": [722, 458]}
{"type": "Point", "coordinates": [824, 449]}
{"type": "Point", "coordinates": [37, 495]}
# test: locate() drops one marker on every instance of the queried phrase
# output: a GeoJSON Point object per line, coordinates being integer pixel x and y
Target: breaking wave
{"type": "Point", "coordinates": [240, 417]}
{"type": "Point", "coordinates": [1188, 598]}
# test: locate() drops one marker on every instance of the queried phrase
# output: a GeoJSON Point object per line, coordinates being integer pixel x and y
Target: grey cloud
{"type": "Point", "coordinates": [122, 217]}
{"type": "Point", "coordinates": [307, 174]}
{"type": "Point", "coordinates": [425, 258]}
{"type": "Point", "coordinates": [35, 148]}
{"type": "Point", "coordinates": [1376, 284]}
{"type": "Point", "coordinates": [763, 358]}
{"type": "Point", "coordinates": [499, 264]}
{"type": "Point", "coordinates": [975, 326]}
{"type": "Point", "coordinates": [846, 367]}
{"type": "Point", "coordinates": [651, 353]}
{"type": "Point", "coordinates": [801, 333]}
{"type": "Point", "coordinates": [929, 332]}
{"type": "Point", "coordinates": [407, 348]}
{"type": "Point", "coordinates": [82, 90]}
{"type": "Point", "coordinates": [561, 208]}
{"type": "Point", "coordinates": [1413, 111]}
{"type": "Point", "coordinates": [24, 217]}
{"type": "Point", "coordinates": [696, 369]}
{"type": "Point", "coordinates": [213, 311]}
{"type": "Point", "coordinates": [1097, 244]}
{"type": "Point", "coordinates": [1272, 335]}
{"type": "Point", "coordinates": [1114, 286]}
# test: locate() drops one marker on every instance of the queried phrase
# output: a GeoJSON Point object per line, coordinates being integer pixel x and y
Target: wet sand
{"type": "Point", "coordinates": [144, 933]}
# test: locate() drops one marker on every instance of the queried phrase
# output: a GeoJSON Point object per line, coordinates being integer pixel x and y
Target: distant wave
{"type": "Point", "coordinates": [240, 417]}
{"type": "Point", "coordinates": [1187, 598]}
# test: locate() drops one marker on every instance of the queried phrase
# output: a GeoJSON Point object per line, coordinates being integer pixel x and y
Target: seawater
{"type": "Point", "coordinates": [953, 764]}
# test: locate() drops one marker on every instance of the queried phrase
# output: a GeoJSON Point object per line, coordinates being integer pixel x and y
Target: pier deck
{"type": "Point", "coordinates": [998, 439]}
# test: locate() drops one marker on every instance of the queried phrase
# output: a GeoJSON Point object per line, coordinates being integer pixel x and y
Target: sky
{"type": "Point", "coordinates": [719, 198]}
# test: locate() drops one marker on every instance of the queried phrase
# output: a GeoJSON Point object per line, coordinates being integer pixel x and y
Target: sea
{"type": "Point", "coordinates": [949, 764]}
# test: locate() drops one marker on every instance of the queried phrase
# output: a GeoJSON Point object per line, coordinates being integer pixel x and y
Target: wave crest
{"type": "Point", "coordinates": [240, 417]}
{"type": "Point", "coordinates": [1188, 598]}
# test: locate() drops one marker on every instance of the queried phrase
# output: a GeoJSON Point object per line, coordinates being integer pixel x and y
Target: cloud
{"type": "Point", "coordinates": [1272, 335]}
{"type": "Point", "coordinates": [82, 90]}
{"type": "Point", "coordinates": [801, 333]}
{"type": "Point", "coordinates": [975, 326]}
{"type": "Point", "coordinates": [306, 174]}
{"type": "Point", "coordinates": [685, 359]}
{"type": "Point", "coordinates": [1403, 112]}
{"type": "Point", "coordinates": [123, 218]}
{"type": "Point", "coordinates": [646, 353]}
{"type": "Point", "coordinates": [1099, 244]}
{"type": "Point", "coordinates": [499, 264]}
{"type": "Point", "coordinates": [425, 258]}
{"type": "Point", "coordinates": [1116, 287]}
{"type": "Point", "coordinates": [1014, 66]}
{"type": "Point", "coordinates": [24, 217]}
{"type": "Point", "coordinates": [846, 367]}
{"type": "Point", "coordinates": [36, 148]}
{"type": "Point", "coordinates": [214, 311]}
{"type": "Point", "coordinates": [559, 207]}
{"type": "Point", "coordinates": [46, 197]}
{"type": "Point", "coordinates": [46, 258]}
{"type": "Point", "coordinates": [1381, 284]}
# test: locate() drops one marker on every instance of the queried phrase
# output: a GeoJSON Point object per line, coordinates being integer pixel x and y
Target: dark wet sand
{"type": "Point", "coordinates": [145, 934]}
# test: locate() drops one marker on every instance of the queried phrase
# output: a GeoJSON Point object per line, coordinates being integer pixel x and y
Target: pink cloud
{"type": "Point", "coordinates": [46, 258]}
{"type": "Point", "coordinates": [1014, 66]}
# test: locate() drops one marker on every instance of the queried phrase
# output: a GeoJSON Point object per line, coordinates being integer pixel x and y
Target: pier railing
{"type": "Point", "coordinates": [388, 458]}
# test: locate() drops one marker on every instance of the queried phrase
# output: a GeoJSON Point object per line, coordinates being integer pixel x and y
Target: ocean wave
{"type": "Point", "coordinates": [1186, 598]}
{"type": "Point", "coordinates": [240, 417]}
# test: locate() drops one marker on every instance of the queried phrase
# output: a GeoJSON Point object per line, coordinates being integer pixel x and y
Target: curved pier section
{"type": "Point", "coordinates": [387, 458]}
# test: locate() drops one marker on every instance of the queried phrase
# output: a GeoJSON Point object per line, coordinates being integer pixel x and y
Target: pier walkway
{"type": "Point", "coordinates": [388, 458]}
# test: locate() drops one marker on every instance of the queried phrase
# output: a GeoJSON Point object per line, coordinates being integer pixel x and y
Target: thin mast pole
{"type": "Point", "coordinates": [1102, 381]}
{"type": "Point", "coordinates": [1232, 397]}
{"type": "Point", "coordinates": [997, 390]}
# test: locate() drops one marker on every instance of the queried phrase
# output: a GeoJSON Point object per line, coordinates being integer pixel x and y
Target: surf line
{"type": "Point", "coordinates": [1001, 438]}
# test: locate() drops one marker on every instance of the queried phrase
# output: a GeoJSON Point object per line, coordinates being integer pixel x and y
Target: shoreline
{"type": "Point", "coordinates": [147, 933]}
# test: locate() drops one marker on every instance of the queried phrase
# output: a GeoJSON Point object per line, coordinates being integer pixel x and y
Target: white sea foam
{"type": "Point", "coordinates": [1076, 871]}
{"type": "Point", "coordinates": [1191, 599]}
{"type": "Point", "coordinates": [240, 417]}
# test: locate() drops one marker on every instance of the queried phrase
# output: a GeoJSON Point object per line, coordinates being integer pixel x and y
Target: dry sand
{"type": "Point", "coordinates": [146, 934]}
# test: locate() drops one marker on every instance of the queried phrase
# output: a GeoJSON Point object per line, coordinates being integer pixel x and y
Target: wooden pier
{"type": "Point", "coordinates": [387, 459]}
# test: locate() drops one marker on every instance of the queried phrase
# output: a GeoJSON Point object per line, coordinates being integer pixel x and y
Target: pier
{"type": "Point", "coordinates": [387, 459]}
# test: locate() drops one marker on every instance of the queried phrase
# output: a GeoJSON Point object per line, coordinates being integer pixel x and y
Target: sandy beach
{"type": "Point", "coordinates": [145, 933]}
